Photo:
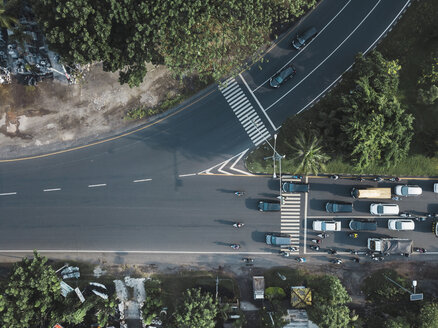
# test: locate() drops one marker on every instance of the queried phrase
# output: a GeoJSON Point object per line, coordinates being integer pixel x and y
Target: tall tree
{"type": "Point", "coordinates": [31, 292]}
{"type": "Point", "coordinates": [309, 153]}
{"type": "Point", "coordinates": [196, 310]}
{"type": "Point", "coordinates": [429, 316]}
{"type": "Point", "coordinates": [377, 129]}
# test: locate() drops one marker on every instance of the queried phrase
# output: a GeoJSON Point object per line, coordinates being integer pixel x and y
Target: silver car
{"type": "Point", "coordinates": [406, 190]}
{"type": "Point", "coordinates": [401, 224]}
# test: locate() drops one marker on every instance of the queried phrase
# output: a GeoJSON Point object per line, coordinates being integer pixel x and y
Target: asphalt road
{"type": "Point", "coordinates": [141, 191]}
{"type": "Point", "coordinates": [325, 189]}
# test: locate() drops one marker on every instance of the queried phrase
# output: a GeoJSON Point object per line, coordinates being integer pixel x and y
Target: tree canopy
{"type": "Point", "coordinates": [429, 316]}
{"type": "Point", "coordinates": [207, 38]}
{"type": "Point", "coordinates": [196, 310]}
{"type": "Point", "coordinates": [377, 129]}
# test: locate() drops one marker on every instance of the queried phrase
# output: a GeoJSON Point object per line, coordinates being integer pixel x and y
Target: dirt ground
{"type": "Point", "coordinates": [53, 116]}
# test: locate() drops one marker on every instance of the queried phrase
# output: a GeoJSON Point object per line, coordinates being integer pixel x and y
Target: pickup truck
{"type": "Point", "coordinates": [258, 285]}
{"type": "Point", "coordinates": [390, 245]}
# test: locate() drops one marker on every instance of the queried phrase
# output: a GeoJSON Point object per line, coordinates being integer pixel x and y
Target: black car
{"type": "Point", "coordinates": [269, 206]}
{"type": "Point", "coordinates": [363, 225]}
{"type": "Point", "coordinates": [338, 207]}
{"type": "Point", "coordinates": [295, 187]}
{"type": "Point", "coordinates": [302, 39]}
{"type": "Point", "coordinates": [285, 74]}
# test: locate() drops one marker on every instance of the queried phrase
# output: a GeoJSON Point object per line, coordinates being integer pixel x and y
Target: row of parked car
{"type": "Point", "coordinates": [363, 225]}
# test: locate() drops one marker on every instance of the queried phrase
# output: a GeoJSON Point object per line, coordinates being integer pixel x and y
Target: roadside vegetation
{"type": "Point", "coordinates": [382, 117]}
{"type": "Point", "coordinates": [204, 38]}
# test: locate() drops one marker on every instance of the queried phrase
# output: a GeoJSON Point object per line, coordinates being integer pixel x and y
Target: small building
{"type": "Point", "coordinates": [298, 319]}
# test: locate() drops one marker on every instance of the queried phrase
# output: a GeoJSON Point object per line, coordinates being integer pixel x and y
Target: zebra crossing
{"type": "Point", "coordinates": [245, 112]}
{"type": "Point", "coordinates": [290, 217]}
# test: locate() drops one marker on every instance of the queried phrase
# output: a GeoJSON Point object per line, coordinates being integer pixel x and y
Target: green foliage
{"type": "Point", "coordinates": [275, 319]}
{"type": "Point", "coordinates": [6, 20]}
{"type": "Point", "coordinates": [430, 73]}
{"type": "Point", "coordinates": [429, 316]}
{"type": "Point", "coordinates": [196, 310]}
{"type": "Point", "coordinates": [329, 290]}
{"type": "Point", "coordinates": [154, 303]}
{"type": "Point", "coordinates": [309, 153]}
{"type": "Point", "coordinates": [428, 97]}
{"type": "Point", "coordinates": [241, 322]}
{"type": "Point", "coordinates": [398, 322]}
{"type": "Point", "coordinates": [380, 291]}
{"type": "Point", "coordinates": [330, 316]}
{"type": "Point", "coordinates": [203, 37]}
{"type": "Point", "coordinates": [329, 298]}
{"type": "Point", "coordinates": [30, 293]}
{"type": "Point", "coordinates": [377, 129]}
{"type": "Point", "coordinates": [274, 293]}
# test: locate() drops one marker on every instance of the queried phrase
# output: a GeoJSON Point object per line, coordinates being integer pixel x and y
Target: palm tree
{"type": "Point", "coordinates": [6, 21]}
{"type": "Point", "coordinates": [308, 151]}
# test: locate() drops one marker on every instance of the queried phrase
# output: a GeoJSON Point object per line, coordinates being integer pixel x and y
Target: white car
{"type": "Point", "coordinates": [435, 187]}
{"type": "Point", "coordinates": [401, 224]}
{"type": "Point", "coordinates": [384, 209]}
{"type": "Point", "coordinates": [405, 190]}
{"type": "Point", "coordinates": [327, 225]}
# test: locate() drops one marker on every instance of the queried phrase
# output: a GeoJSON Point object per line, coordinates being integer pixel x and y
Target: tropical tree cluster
{"type": "Point", "coordinates": [376, 128]}
{"type": "Point", "coordinates": [207, 38]}
{"type": "Point", "coordinates": [31, 297]}
{"type": "Point", "coordinates": [330, 308]}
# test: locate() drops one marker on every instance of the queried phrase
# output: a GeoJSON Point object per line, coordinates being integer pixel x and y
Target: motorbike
{"type": "Point", "coordinates": [284, 254]}
{"type": "Point", "coordinates": [352, 251]}
{"type": "Point", "coordinates": [332, 251]}
{"type": "Point", "coordinates": [378, 179]}
{"type": "Point", "coordinates": [360, 179]}
{"type": "Point", "coordinates": [238, 225]}
{"type": "Point", "coordinates": [355, 259]}
{"type": "Point", "coordinates": [247, 259]}
{"type": "Point", "coordinates": [353, 235]}
{"type": "Point", "coordinates": [317, 241]}
{"type": "Point", "coordinates": [395, 198]}
{"type": "Point", "coordinates": [420, 219]}
{"type": "Point", "coordinates": [315, 247]}
{"type": "Point", "coordinates": [336, 261]}
{"type": "Point", "coordinates": [293, 249]}
{"type": "Point", "coordinates": [239, 193]}
{"type": "Point", "coordinates": [396, 179]}
{"type": "Point", "coordinates": [235, 246]}
{"type": "Point", "coordinates": [432, 215]}
{"type": "Point", "coordinates": [405, 215]}
{"type": "Point", "coordinates": [323, 235]}
{"type": "Point", "coordinates": [420, 250]}
{"type": "Point", "coordinates": [297, 177]}
{"type": "Point", "coordinates": [300, 259]}
{"type": "Point", "coordinates": [334, 177]}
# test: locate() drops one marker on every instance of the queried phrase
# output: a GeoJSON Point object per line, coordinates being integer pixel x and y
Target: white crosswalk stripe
{"type": "Point", "coordinates": [291, 218]}
{"type": "Point", "coordinates": [244, 111]}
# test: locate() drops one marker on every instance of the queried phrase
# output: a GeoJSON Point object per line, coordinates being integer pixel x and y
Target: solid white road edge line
{"type": "Point", "coordinates": [186, 175]}
{"type": "Point", "coordinates": [8, 193]}
{"type": "Point", "coordinates": [53, 189]}
{"type": "Point", "coordinates": [131, 252]}
{"type": "Point", "coordinates": [142, 180]}
{"type": "Point", "coordinates": [336, 49]}
{"type": "Point", "coordinates": [372, 45]}
{"type": "Point", "coordinates": [97, 185]}
{"type": "Point", "coordinates": [258, 103]}
{"type": "Point", "coordinates": [302, 49]}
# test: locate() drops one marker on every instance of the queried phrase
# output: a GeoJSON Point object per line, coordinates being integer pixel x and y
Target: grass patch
{"type": "Point", "coordinates": [174, 285]}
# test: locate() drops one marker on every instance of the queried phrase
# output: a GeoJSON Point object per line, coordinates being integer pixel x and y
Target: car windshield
{"type": "Point", "coordinates": [380, 209]}
{"type": "Point", "coordinates": [405, 190]}
{"type": "Point", "coordinates": [399, 225]}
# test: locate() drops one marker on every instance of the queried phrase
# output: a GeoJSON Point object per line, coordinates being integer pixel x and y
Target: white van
{"type": "Point", "coordinates": [384, 209]}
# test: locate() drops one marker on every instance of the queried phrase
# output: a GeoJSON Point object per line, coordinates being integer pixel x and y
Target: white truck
{"type": "Point", "coordinates": [258, 285]}
{"type": "Point", "coordinates": [390, 245]}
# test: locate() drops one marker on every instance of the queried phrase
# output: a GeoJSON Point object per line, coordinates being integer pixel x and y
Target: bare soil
{"type": "Point", "coordinates": [53, 115]}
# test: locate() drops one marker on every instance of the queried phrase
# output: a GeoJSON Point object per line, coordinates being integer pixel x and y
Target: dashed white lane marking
{"type": "Point", "coordinates": [245, 113]}
{"type": "Point", "coordinates": [142, 180]}
{"type": "Point", "coordinates": [319, 65]}
{"type": "Point", "coordinates": [97, 185]}
{"type": "Point", "coordinates": [302, 49]}
{"type": "Point", "coordinates": [53, 189]}
{"type": "Point", "coordinates": [186, 175]}
{"type": "Point", "coordinates": [8, 193]}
